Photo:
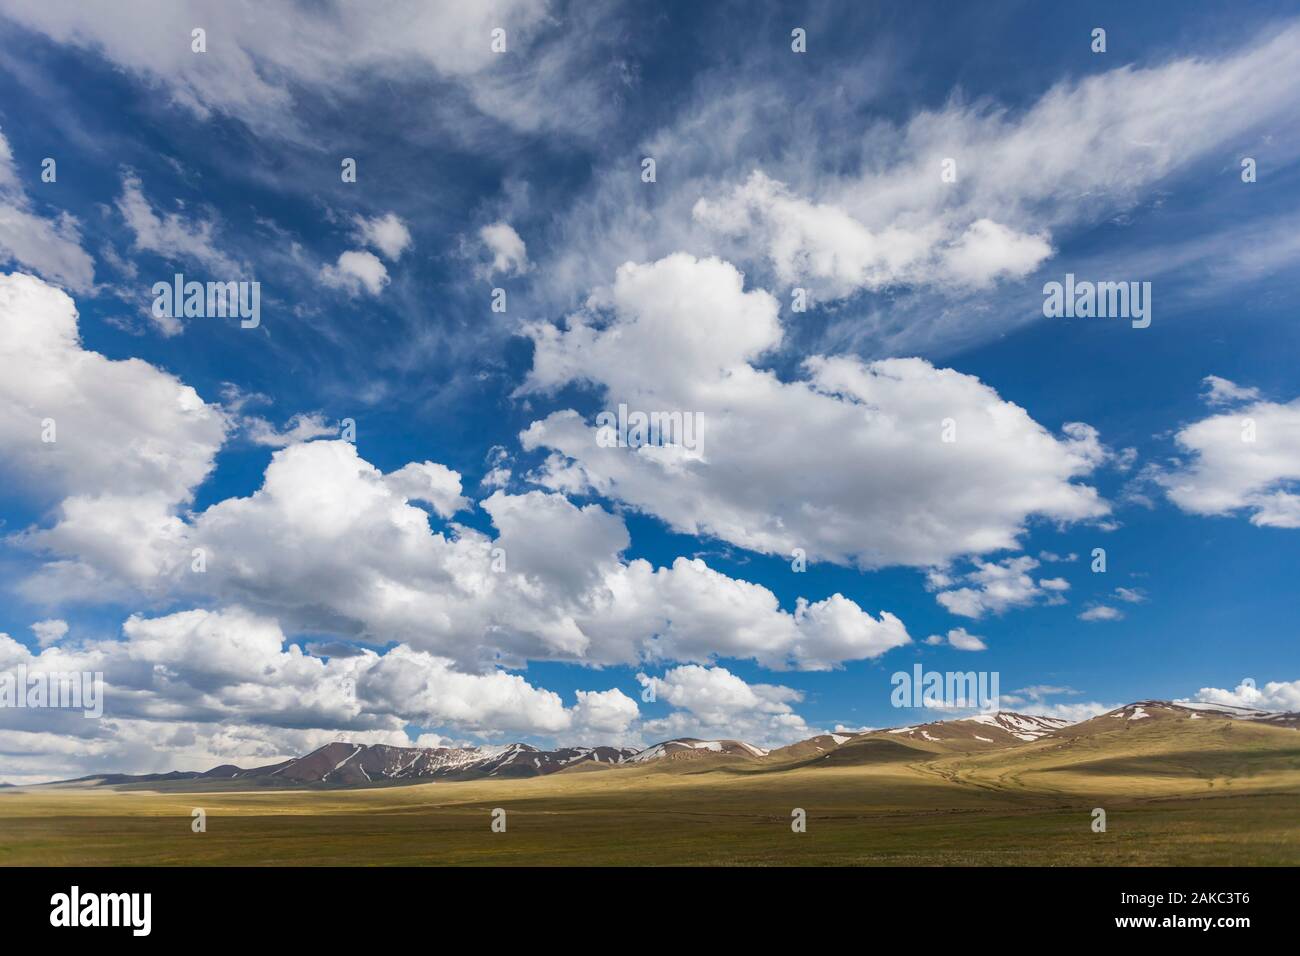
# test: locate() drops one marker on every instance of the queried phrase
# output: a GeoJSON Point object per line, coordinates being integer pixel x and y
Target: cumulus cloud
{"type": "Point", "coordinates": [387, 233]}
{"type": "Point", "coordinates": [806, 241]}
{"type": "Point", "coordinates": [714, 694]}
{"type": "Point", "coordinates": [429, 690]}
{"type": "Point", "coordinates": [233, 668]}
{"type": "Point", "coordinates": [51, 247]}
{"type": "Point", "coordinates": [356, 270]}
{"type": "Point", "coordinates": [822, 245]}
{"type": "Point", "coordinates": [331, 544]}
{"type": "Point", "coordinates": [211, 682]}
{"type": "Point", "coordinates": [49, 632]}
{"type": "Point", "coordinates": [988, 251]}
{"type": "Point", "coordinates": [334, 545]}
{"type": "Point", "coordinates": [507, 254]}
{"type": "Point", "coordinates": [119, 429]}
{"type": "Point", "coordinates": [500, 473]}
{"type": "Point", "coordinates": [994, 587]}
{"type": "Point", "coordinates": [1273, 696]}
{"type": "Point", "coordinates": [849, 464]}
{"type": "Point", "coordinates": [1243, 460]}
{"type": "Point", "coordinates": [602, 716]}
{"type": "Point", "coordinates": [959, 638]}
{"type": "Point", "coordinates": [428, 482]}
{"type": "Point", "coordinates": [195, 688]}
{"type": "Point", "coordinates": [713, 702]}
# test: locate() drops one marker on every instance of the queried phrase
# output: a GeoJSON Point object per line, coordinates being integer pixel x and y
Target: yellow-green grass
{"type": "Point", "coordinates": [1205, 793]}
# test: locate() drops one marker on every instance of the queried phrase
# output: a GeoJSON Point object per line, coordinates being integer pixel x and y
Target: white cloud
{"type": "Point", "coordinates": [195, 688]}
{"type": "Point", "coordinates": [961, 639]}
{"type": "Point", "coordinates": [195, 659]}
{"type": "Point", "coordinates": [212, 686]}
{"type": "Point", "coordinates": [1246, 459]}
{"type": "Point", "coordinates": [1274, 696]}
{"type": "Point", "coordinates": [713, 702]}
{"type": "Point", "coordinates": [330, 544]}
{"type": "Point", "coordinates": [230, 667]}
{"type": "Point", "coordinates": [427, 689]}
{"type": "Point", "coordinates": [994, 587]}
{"type": "Point", "coordinates": [844, 213]}
{"type": "Point", "coordinates": [836, 629]}
{"type": "Point", "coordinates": [1073, 712]}
{"type": "Point", "coordinates": [848, 464]}
{"type": "Point", "coordinates": [509, 255]}
{"type": "Point", "coordinates": [115, 745]}
{"type": "Point", "coordinates": [51, 247]}
{"type": "Point", "coordinates": [807, 241]}
{"type": "Point", "coordinates": [387, 233]}
{"type": "Point", "coordinates": [988, 251]}
{"type": "Point", "coordinates": [122, 428]}
{"type": "Point", "coordinates": [604, 712]}
{"type": "Point", "coordinates": [204, 681]}
{"type": "Point", "coordinates": [1102, 612]}
{"type": "Point", "coordinates": [427, 481]}
{"type": "Point", "coordinates": [301, 427]}
{"type": "Point", "coordinates": [1033, 700]}
{"type": "Point", "coordinates": [356, 269]}
{"type": "Point", "coordinates": [1051, 557]}
{"type": "Point", "coordinates": [172, 236]}
{"type": "Point", "coordinates": [256, 65]}
{"type": "Point", "coordinates": [49, 632]}
{"type": "Point", "coordinates": [715, 694]}
{"type": "Point", "coordinates": [1221, 391]}
{"type": "Point", "coordinates": [1039, 691]}
{"type": "Point", "coordinates": [824, 246]}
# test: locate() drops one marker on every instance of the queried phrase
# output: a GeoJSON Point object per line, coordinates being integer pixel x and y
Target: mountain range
{"type": "Point", "coordinates": [343, 764]}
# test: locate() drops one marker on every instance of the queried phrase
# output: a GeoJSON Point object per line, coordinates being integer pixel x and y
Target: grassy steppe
{"type": "Point", "coordinates": [1210, 792]}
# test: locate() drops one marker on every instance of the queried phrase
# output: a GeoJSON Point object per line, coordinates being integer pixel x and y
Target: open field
{"type": "Point", "coordinates": [1209, 792]}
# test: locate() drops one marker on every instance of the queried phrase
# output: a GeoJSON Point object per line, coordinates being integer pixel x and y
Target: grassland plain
{"type": "Point", "coordinates": [1176, 792]}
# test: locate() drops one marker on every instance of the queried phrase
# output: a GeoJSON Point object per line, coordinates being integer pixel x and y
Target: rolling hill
{"type": "Point", "coordinates": [1180, 785]}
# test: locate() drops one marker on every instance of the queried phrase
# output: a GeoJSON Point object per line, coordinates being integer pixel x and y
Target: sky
{"type": "Point", "coordinates": [383, 508]}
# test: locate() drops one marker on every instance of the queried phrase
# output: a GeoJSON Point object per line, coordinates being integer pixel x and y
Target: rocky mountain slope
{"type": "Point", "coordinates": [689, 748]}
{"type": "Point", "coordinates": [979, 732]}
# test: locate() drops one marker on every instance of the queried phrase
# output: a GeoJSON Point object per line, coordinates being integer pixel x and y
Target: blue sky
{"type": "Point", "coordinates": [522, 171]}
